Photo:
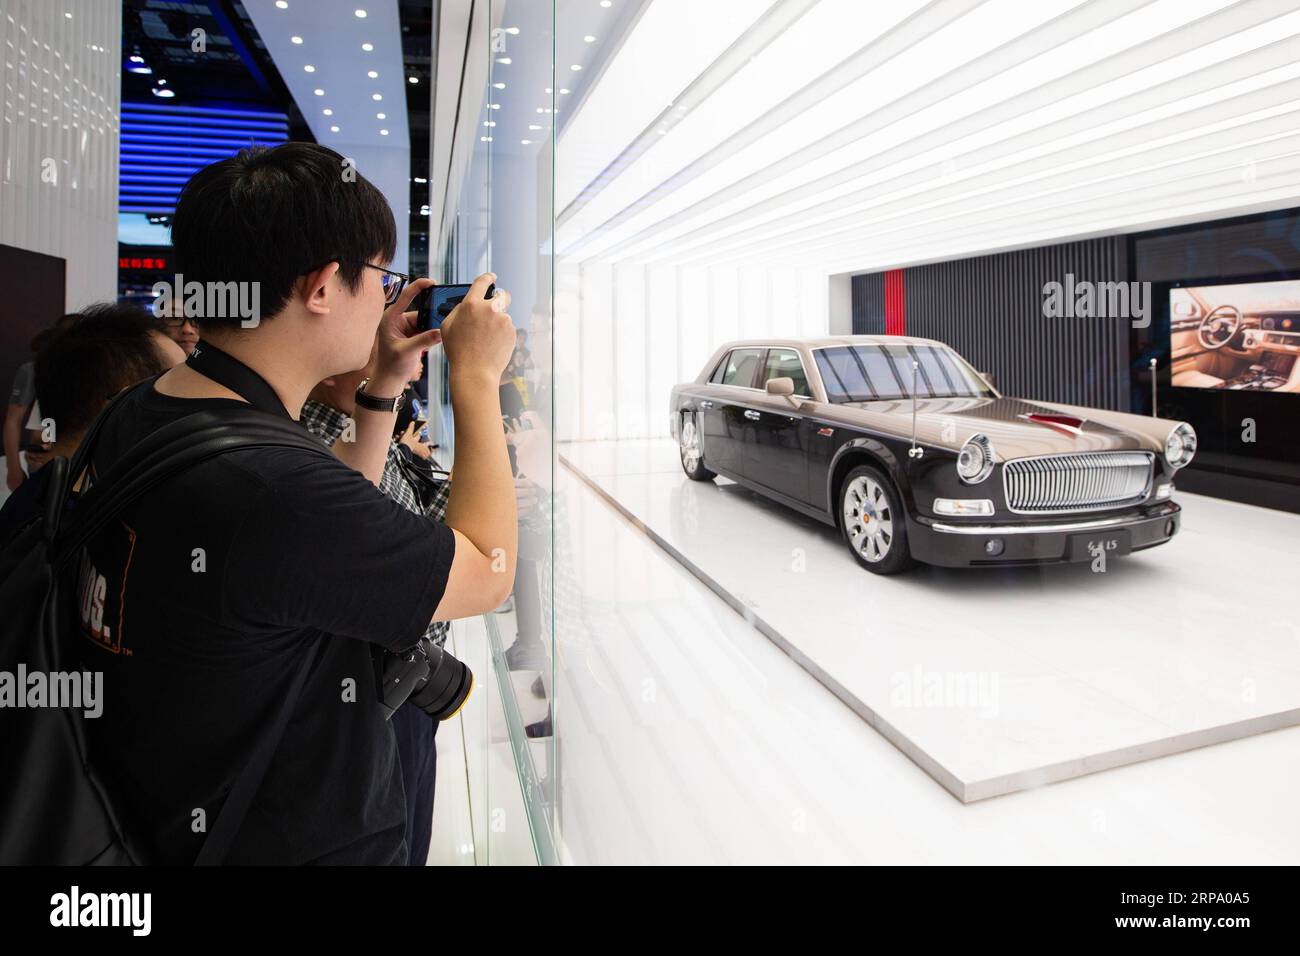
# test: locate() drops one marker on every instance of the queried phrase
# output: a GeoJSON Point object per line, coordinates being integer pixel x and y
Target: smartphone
{"type": "Point", "coordinates": [435, 304]}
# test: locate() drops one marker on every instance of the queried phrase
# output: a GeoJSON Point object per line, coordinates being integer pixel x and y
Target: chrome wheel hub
{"type": "Point", "coordinates": [868, 518]}
{"type": "Point", "coordinates": [690, 445]}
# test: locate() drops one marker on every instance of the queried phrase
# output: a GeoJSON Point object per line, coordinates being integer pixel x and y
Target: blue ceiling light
{"type": "Point", "coordinates": [163, 145]}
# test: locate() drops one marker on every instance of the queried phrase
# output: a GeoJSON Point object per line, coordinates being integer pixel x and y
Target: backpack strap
{"type": "Point", "coordinates": [231, 816]}
{"type": "Point", "coordinates": [172, 449]}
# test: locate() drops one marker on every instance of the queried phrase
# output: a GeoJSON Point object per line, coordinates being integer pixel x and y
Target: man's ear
{"type": "Point", "coordinates": [315, 289]}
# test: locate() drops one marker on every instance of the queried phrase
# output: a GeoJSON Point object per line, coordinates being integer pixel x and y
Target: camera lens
{"type": "Point", "coordinates": [447, 686]}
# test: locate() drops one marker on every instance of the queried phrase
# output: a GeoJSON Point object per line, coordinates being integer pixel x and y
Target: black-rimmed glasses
{"type": "Point", "coordinates": [393, 282]}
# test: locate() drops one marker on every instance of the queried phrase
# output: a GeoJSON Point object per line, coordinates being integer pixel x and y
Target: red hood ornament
{"type": "Point", "coordinates": [1067, 424]}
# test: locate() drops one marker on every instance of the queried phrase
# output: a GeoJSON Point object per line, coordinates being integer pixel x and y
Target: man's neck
{"type": "Point", "coordinates": [278, 363]}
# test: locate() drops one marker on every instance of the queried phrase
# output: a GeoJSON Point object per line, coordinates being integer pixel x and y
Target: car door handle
{"type": "Point", "coordinates": [706, 404]}
{"type": "Point", "coordinates": [751, 415]}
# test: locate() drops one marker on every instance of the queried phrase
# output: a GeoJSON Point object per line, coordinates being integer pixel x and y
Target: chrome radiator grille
{"type": "Point", "coordinates": [1084, 482]}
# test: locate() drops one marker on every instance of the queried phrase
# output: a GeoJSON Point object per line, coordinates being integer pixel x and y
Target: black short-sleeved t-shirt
{"type": "Point", "coordinates": [199, 606]}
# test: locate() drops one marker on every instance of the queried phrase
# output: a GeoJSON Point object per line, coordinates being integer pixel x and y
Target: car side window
{"type": "Point", "coordinates": [785, 363]}
{"type": "Point", "coordinates": [739, 368]}
{"type": "Point", "coordinates": [721, 370]}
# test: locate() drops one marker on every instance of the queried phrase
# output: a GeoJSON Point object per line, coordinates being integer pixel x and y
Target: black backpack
{"type": "Point", "coordinates": [54, 807]}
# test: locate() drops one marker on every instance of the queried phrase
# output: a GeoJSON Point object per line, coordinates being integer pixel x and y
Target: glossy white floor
{"type": "Point", "coordinates": [686, 735]}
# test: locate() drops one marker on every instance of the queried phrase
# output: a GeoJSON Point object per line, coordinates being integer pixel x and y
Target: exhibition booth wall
{"type": "Point", "coordinates": [997, 310]}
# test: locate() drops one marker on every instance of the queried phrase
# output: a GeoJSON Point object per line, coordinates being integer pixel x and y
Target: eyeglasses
{"type": "Point", "coordinates": [176, 321]}
{"type": "Point", "coordinates": [393, 282]}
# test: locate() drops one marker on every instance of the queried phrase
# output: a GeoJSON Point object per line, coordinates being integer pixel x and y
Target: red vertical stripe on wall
{"type": "Point", "coordinates": [895, 309]}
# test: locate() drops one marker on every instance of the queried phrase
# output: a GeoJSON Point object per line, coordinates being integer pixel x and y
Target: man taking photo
{"type": "Point", "coordinates": [223, 583]}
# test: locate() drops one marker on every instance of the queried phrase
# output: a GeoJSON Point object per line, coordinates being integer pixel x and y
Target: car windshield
{"type": "Point", "coordinates": [873, 373]}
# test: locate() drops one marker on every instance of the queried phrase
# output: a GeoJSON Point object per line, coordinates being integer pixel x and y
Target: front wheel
{"type": "Point", "coordinates": [873, 521]}
{"type": "Point", "coordinates": [692, 451]}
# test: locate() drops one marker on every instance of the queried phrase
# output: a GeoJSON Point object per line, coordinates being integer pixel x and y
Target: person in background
{"type": "Point", "coordinates": [101, 351]}
{"type": "Point", "coordinates": [23, 414]}
{"type": "Point", "coordinates": [184, 331]}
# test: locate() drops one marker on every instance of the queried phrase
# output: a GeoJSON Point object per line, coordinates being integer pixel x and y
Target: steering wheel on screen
{"type": "Point", "coordinates": [1218, 327]}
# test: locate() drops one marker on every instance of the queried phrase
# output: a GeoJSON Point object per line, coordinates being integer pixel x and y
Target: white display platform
{"type": "Point", "coordinates": [997, 680]}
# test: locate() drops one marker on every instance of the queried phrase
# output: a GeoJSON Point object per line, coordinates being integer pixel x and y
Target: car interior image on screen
{"type": "Point", "coordinates": [1239, 336]}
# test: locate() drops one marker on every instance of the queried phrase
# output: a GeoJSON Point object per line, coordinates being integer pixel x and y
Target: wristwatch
{"type": "Point", "coordinates": [377, 404]}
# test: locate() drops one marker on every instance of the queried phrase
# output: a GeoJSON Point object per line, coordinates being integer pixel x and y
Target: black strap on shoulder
{"type": "Point", "coordinates": [224, 369]}
{"type": "Point", "coordinates": [174, 448]}
{"type": "Point", "coordinates": [235, 809]}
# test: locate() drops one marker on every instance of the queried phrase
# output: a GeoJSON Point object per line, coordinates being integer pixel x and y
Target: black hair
{"type": "Point", "coordinates": [272, 215]}
{"type": "Point", "coordinates": [107, 348]}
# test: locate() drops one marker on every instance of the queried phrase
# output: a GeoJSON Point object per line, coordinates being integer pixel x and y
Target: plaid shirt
{"type": "Point", "coordinates": [327, 424]}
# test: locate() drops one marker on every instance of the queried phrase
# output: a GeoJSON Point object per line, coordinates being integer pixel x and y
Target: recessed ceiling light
{"type": "Point", "coordinates": [136, 59]}
{"type": "Point", "coordinates": [495, 106]}
{"type": "Point", "coordinates": [377, 97]}
{"type": "Point", "coordinates": [328, 112]}
{"type": "Point", "coordinates": [605, 3]}
{"type": "Point", "coordinates": [489, 123]}
{"type": "Point", "coordinates": [319, 92]}
{"type": "Point", "coordinates": [548, 89]}
{"type": "Point", "coordinates": [361, 14]}
{"type": "Point", "coordinates": [513, 31]}
{"type": "Point", "coordinates": [575, 67]}
{"type": "Point", "coordinates": [498, 86]}
{"type": "Point", "coordinates": [525, 142]}
{"type": "Point", "coordinates": [504, 59]}
{"type": "Point", "coordinates": [412, 79]}
{"type": "Point", "coordinates": [162, 82]}
{"type": "Point", "coordinates": [563, 92]}
{"type": "Point", "coordinates": [381, 116]}
{"type": "Point", "coordinates": [421, 179]}
{"type": "Point", "coordinates": [533, 126]}
{"type": "Point", "coordinates": [295, 39]}
{"type": "Point", "coordinates": [485, 139]}
{"type": "Point", "coordinates": [309, 68]}
{"type": "Point", "coordinates": [372, 74]}
{"type": "Point", "coordinates": [68, 15]}
{"type": "Point", "coordinates": [383, 132]}
{"type": "Point", "coordinates": [334, 129]}
{"type": "Point", "coordinates": [282, 4]}
{"type": "Point", "coordinates": [589, 39]}
{"type": "Point", "coordinates": [165, 94]}
{"type": "Point", "coordinates": [367, 47]}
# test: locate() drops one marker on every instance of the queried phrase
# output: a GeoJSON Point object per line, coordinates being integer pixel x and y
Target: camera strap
{"type": "Point", "coordinates": [224, 369]}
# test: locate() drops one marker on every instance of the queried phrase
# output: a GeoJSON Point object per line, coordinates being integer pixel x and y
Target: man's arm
{"type": "Point", "coordinates": [478, 337]}
{"type": "Point", "coordinates": [395, 361]}
{"type": "Point", "coordinates": [15, 415]}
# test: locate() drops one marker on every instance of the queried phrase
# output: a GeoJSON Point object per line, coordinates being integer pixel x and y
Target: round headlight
{"type": "Point", "coordinates": [1180, 445]}
{"type": "Point", "coordinates": [975, 460]}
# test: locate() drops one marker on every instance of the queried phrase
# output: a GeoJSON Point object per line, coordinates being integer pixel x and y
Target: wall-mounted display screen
{"type": "Point", "coordinates": [1239, 336]}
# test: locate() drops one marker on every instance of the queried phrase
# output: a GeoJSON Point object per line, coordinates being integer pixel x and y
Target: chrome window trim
{"type": "Point", "coordinates": [764, 349]}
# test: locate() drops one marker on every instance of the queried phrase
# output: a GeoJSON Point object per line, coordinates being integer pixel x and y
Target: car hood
{"type": "Point", "coordinates": [949, 422]}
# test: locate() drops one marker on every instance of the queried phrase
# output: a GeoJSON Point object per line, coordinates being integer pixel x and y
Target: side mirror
{"type": "Point", "coordinates": [988, 377]}
{"type": "Point", "coordinates": [780, 386]}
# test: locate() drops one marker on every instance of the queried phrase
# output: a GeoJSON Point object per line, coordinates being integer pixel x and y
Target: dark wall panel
{"type": "Point", "coordinates": [990, 309]}
{"type": "Point", "coordinates": [869, 304]}
{"type": "Point", "coordinates": [33, 284]}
